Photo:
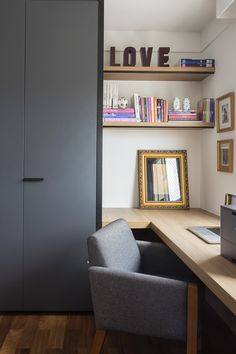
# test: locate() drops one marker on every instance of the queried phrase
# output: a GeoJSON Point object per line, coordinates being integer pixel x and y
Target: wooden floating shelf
{"type": "Point", "coordinates": [180, 125]}
{"type": "Point", "coordinates": [157, 73]}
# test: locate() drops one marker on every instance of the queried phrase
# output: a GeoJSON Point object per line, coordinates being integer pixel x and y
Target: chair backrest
{"type": "Point", "coordinates": [114, 246]}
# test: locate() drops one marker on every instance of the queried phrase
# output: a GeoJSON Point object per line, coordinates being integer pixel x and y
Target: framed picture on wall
{"type": "Point", "coordinates": [225, 112]}
{"type": "Point", "coordinates": [225, 151]}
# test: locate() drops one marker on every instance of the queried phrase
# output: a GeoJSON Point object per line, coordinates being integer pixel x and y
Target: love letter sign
{"type": "Point", "coordinates": [129, 56]}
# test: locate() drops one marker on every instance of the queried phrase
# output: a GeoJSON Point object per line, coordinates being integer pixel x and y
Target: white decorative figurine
{"type": "Point", "coordinates": [176, 104]}
{"type": "Point", "coordinates": [186, 104]}
{"type": "Point", "coordinates": [123, 102]}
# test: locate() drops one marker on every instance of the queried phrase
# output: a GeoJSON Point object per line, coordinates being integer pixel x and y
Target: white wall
{"type": "Point", "coordinates": [186, 43]}
{"type": "Point", "coordinates": [120, 168]}
{"type": "Point", "coordinates": [214, 29]}
{"type": "Point", "coordinates": [216, 184]}
{"type": "Point", "coordinates": [120, 188]}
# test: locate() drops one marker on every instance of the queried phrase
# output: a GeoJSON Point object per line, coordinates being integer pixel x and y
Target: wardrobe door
{"type": "Point", "coordinates": [60, 150]}
{"type": "Point", "coordinates": [12, 35]}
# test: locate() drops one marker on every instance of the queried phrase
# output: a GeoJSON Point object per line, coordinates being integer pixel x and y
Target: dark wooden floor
{"type": "Point", "coordinates": [70, 334]}
{"type": "Point", "coordinates": [73, 334]}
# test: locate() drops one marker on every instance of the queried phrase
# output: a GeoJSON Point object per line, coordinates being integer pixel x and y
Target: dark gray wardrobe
{"type": "Point", "coordinates": [50, 139]}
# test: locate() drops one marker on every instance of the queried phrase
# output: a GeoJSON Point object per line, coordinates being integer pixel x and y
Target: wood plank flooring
{"type": "Point", "coordinates": [73, 334]}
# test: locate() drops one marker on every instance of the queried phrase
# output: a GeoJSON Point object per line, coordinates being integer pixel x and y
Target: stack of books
{"type": "Point", "coordinates": [150, 109]}
{"type": "Point", "coordinates": [205, 63]}
{"type": "Point", "coordinates": [119, 115]}
{"type": "Point", "coordinates": [175, 116]}
{"type": "Point", "coordinates": [206, 110]}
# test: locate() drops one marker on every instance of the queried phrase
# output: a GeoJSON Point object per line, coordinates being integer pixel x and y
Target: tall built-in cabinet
{"type": "Point", "coordinates": [50, 138]}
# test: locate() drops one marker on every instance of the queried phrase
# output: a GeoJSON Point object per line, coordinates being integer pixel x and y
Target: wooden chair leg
{"type": "Point", "coordinates": [98, 341]}
{"type": "Point", "coordinates": [192, 319]}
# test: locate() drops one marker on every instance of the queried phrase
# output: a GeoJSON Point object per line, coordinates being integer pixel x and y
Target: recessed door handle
{"type": "Point", "coordinates": [32, 179]}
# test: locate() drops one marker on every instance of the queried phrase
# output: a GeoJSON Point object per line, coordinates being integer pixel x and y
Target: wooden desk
{"type": "Point", "coordinates": [216, 272]}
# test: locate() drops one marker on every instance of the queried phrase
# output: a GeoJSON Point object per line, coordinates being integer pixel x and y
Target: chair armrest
{"type": "Point", "coordinates": [158, 259]}
{"type": "Point", "coordinates": [139, 303]}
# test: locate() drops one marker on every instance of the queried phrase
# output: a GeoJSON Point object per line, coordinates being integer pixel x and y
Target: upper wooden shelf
{"type": "Point", "coordinates": [156, 73]}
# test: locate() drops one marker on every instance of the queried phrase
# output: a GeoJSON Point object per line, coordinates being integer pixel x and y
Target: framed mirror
{"type": "Point", "coordinates": [163, 179]}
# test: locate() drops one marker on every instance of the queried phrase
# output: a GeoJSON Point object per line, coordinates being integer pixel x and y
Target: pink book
{"type": "Point", "coordinates": [131, 120]}
{"type": "Point", "coordinates": [118, 110]}
{"type": "Point", "coordinates": [149, 109]}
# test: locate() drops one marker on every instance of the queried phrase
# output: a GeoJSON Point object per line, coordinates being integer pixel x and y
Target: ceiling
{"type": "Point", "coordinates": [158, 15]}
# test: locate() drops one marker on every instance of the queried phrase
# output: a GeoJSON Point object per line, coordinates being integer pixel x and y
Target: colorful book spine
{"type": "Point", "coordinates": [119, 115]}
{"type": "Point", "coordinates": [187, 62]}
{"type": "Point", "coordinates": [212, 110]}
{"type": "Point", "coordinates": [158, 110]}
{"type": "Point", "coordinates": [155, 108]}
{"type": "Point", "coordinates": [166, 111]}
{"type": "Point", "coordinates": [162, 110]}
{"type": "Point", "coordinates": [136, 102]}
{"type": "Point", "coordinates": [131, 120]}
{"type": "Point", "coordinates": [183, 118]}
{"type": "Point", "coordinates": [152, 109]}
{"type": "Point", "coordinates": [143, 109]}
{"type": "Point", "coordinates": [118, 110]}
{"type": "Point", "coordinates": [146, 109]}
{"type": "Point", "coordinates": [183, 115]}
{"type": "Point", "coordinates": [206, 110]}
{"type": "Point", "coordinates": [149, 109]}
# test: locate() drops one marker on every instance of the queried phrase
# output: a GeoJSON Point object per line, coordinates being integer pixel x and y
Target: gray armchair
{"type": "Point", "coordinates": [140, 287]}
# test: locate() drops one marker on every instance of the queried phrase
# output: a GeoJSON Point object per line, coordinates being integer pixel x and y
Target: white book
{"type": "Point", "coordinates": [106, 92]}
{"type": "Point", "coordinates": [105, 95]}
{"type": "Point", "coordinates": [137, 107]}
{"type": "Point", "coordinates": [109, 95]}
{"type": "Point", "coordinates": [115, 95]}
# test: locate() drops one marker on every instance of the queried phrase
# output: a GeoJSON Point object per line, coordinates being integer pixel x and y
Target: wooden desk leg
{"type": "Point", "coordinates": [199, 344]}
{"type": "Point", "coordinates": [192, 319]}
{"type": "Point", "coordinates": [98, 341]}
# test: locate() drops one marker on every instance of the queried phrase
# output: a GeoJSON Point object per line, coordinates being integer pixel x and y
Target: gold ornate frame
{"type": "Point", "coordinates": [142, 176]}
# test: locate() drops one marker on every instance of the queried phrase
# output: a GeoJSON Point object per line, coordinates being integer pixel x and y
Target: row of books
{"type": "Point", "coordinates": [128, 115]}
{"type": "Point", "coordinates": [110, 94]}
{"type": "Point", "coordinates": [207, 63]}
{"type": "Point", "coordinates": [154, 110]}
{"type": "Point", "coordinates": [206, 110]}
{"type": "Point", "coordinates": [150, 109]}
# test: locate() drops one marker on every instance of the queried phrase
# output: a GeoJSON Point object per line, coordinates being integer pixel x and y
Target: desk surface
{"type": "Point", "coordinates": [216, 272]}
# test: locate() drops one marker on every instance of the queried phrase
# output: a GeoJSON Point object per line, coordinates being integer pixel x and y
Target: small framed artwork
{"type": "Point", "coordinates": [225, 112]}
{"type": "Point", "coordinates": [225, 151]}
{"type": "Point", "coordinates": [230, 199]}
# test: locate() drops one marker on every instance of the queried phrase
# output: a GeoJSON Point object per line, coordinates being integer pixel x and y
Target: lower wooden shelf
{"type": "Point", "coordinates": [158, 125]}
